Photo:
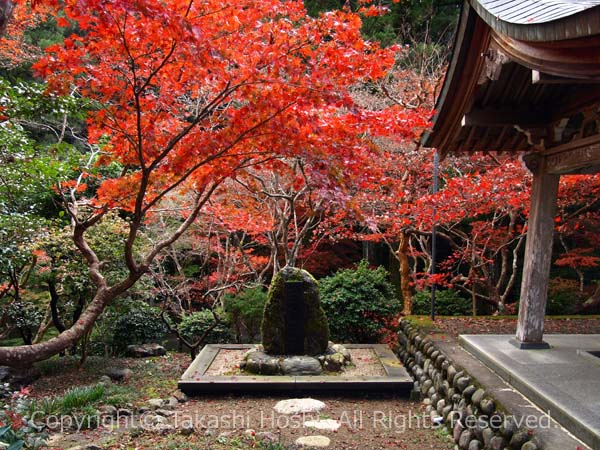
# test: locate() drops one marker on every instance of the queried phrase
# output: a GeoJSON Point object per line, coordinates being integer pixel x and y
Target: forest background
{"type": "Point", "coordinates": [159, 163]}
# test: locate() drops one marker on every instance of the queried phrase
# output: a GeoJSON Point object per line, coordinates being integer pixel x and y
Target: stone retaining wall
{"type": "Point", "coordinates": [455, 399]}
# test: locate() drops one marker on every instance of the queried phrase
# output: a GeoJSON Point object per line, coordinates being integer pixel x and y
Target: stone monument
{"type": "Point", "coordinates": [294, 322]}
{"type": "Point", "coordinates": [295, 332]}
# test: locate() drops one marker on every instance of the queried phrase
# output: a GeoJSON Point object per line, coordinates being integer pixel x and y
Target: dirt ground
{"type": "Point", "coordinates": [238, 422]}
{"type": "Point", "coordinates": [235, 422]}
{"type": "Point", "coordinates": [242, 422]}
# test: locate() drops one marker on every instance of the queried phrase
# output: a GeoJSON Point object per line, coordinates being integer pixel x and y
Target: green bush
{"type": "Point", "coordinates": [360, 303]}
{"type": "Point", "coordinates": [563, 297]}
{"type": "Point", "coordinates": [139, 325]}
{"type": "Point", "coordinates": [448, 302]}
{"type": "Point", "coordinates": [244, 311]}
{"type": "Point", "coordinates": [194, 325]}
{"type": "Point", "coordinates": [27, 318]}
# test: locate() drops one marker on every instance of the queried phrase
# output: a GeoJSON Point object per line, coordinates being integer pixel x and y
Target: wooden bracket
{"type": "Point", "coordinates": [494, 60]}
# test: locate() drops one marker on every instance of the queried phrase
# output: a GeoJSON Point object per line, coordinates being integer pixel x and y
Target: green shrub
{"type": "Point", "coordinates": [27, 318]}
{"type": "Point", "coordinates": [139, 325]}
{"type": "Point", "coordinates": [448, 302]}
{"type": "Point", "coordinates": [244, 311]}
{"type": "Point", "coordinates": [563, 297]}
{"type": "Point", "coordinates": [194, 325]}
{"type": "Point", "coordinates": [360, 303]}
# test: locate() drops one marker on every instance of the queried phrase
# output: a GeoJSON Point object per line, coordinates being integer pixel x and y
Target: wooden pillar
{"type": "Point", "coordinates": [538, 257]}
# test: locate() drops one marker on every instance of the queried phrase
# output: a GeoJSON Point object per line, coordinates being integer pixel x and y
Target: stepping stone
{"type": "Point", "coordinates": [298, 406]}
{"type": "Point", "coordinates": [313, 441]}
{"type": "Point", "coordinates": [325, 424]}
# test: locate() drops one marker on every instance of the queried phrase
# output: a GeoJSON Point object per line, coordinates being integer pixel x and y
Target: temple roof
{"type": "Point", "coordinates": [523, 76]}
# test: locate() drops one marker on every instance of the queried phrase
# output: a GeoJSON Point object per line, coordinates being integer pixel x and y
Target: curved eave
{"type": "Point", "coordinates": [572, 25]}
{"type": "Point", "coordinates": [461, 77]}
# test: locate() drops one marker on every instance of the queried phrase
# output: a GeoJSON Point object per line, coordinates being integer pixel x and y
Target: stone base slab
{"type": "Point", "coordinates": [194, 382]}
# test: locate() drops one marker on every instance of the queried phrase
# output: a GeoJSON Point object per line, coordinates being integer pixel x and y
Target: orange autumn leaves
{"type": "Point", "coordinates": [191, 92]}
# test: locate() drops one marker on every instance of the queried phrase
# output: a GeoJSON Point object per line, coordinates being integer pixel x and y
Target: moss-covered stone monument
{"type": "Point", "coordinates": [295, 333]}
{"type": "Point", "coordinates": [294, 322]}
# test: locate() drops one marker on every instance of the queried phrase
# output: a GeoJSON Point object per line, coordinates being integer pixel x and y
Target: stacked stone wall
{"type": "Point", "coordinates": [456, 400]}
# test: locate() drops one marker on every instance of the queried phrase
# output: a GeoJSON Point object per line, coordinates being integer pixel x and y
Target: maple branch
{"type": "Point", "coordinates": [513, 276]}
{"type": "Point", "coordinates": [201, 199]}
{"type": "Point", "coordinates": [581, 210]}
{"type": "Point", "coordinates": [206, 111]}
{"type": "Point", "coordinates": [140, 210]}
{"type": "Point", "coordinates": [220, 154]}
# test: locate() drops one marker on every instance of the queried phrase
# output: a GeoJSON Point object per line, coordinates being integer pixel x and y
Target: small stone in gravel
{"type": "Point", "coordinates": [108, 410]}
{"type": "Point", "coordinates": [165, 412]}
{"type": "Point", "coordinates": [487, 406]}
{"type": "Point", "coordinates": [462, 383]}
{"type": "Point", "coordinates": [509, 427]}
{"type": "Point", "coordinates": [477, 396]}
{"type": "Point", "coordinates": [469, 391]}
{"type": "Point", "coordinates": [487, 434]}
{"type": "Point", "coordinates": [313, 441]}
{"type": "Point", "coordinates": [518, 439]}
{"type": "Point", "coordinates": [325, 424]}
{"type": "Point", "coordinates": [266, 436]}
{"type": "Point", "coordinates": [145, 350]}
{"type": "Point", "coordinates": [465, 439]}
{"type": "Point", "coordinates": [475, 445]}
{"type": "Point", "coordinates": [163, 428]}
{"type": "Point", "coordinates": [186, 429]}
{"type": "Point", "coordinates": [118, 374]}
{"type": "Point", "coordinates": [180, 396]}
{"type": "Point", "coordinates": [156, 403]}
{"type": "Point", "coordinates": [301, 365]}
{"type": "Point", "coordinates": [299, 405]}
{"type": "Point", "coordinates": [157, 419]}
{"type": "Point", "coordinates": [456, 432]}
{"type": "Point", "coordinates": [173, 401]}
{"type": "Point", "coordinates": [497, 443]}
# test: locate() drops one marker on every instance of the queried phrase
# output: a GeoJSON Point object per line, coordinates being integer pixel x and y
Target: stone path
{"type": "Point", "coordinates": [305, 406]}
{"type": "Point", "coordinates": [313, 441]}
{"type": "Point", "coordinates": [299, 406]}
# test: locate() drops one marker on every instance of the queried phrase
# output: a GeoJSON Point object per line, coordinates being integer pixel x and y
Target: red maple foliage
{"type": "Point", "coordinates": [189, 94]}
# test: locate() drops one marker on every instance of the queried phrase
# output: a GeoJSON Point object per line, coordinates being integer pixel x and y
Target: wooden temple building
{"type": "Point", "coordinates": [525, 78]}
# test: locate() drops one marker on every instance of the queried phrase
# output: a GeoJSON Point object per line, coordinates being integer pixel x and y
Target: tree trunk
{"type": "Point", "coordinates": [45, 325]}
{"type": "Point", "coordinates": [407, 297]}
{"type": "Point", "coordinates": [473, 292]}
{"type": "Point", "coordinates": [54, 307]}
{"type": "Point", "coordinates": [25, 355]}
{"type": "Point", "coordinates": [6, 8]}
{"type": "Point", "coordinates": [76, 315]}
{"type": "Point", "coordinates": [593, 303]}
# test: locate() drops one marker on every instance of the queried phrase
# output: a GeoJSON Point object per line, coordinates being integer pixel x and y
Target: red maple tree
{"type": "Point", "coordinates": [190, 93]}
